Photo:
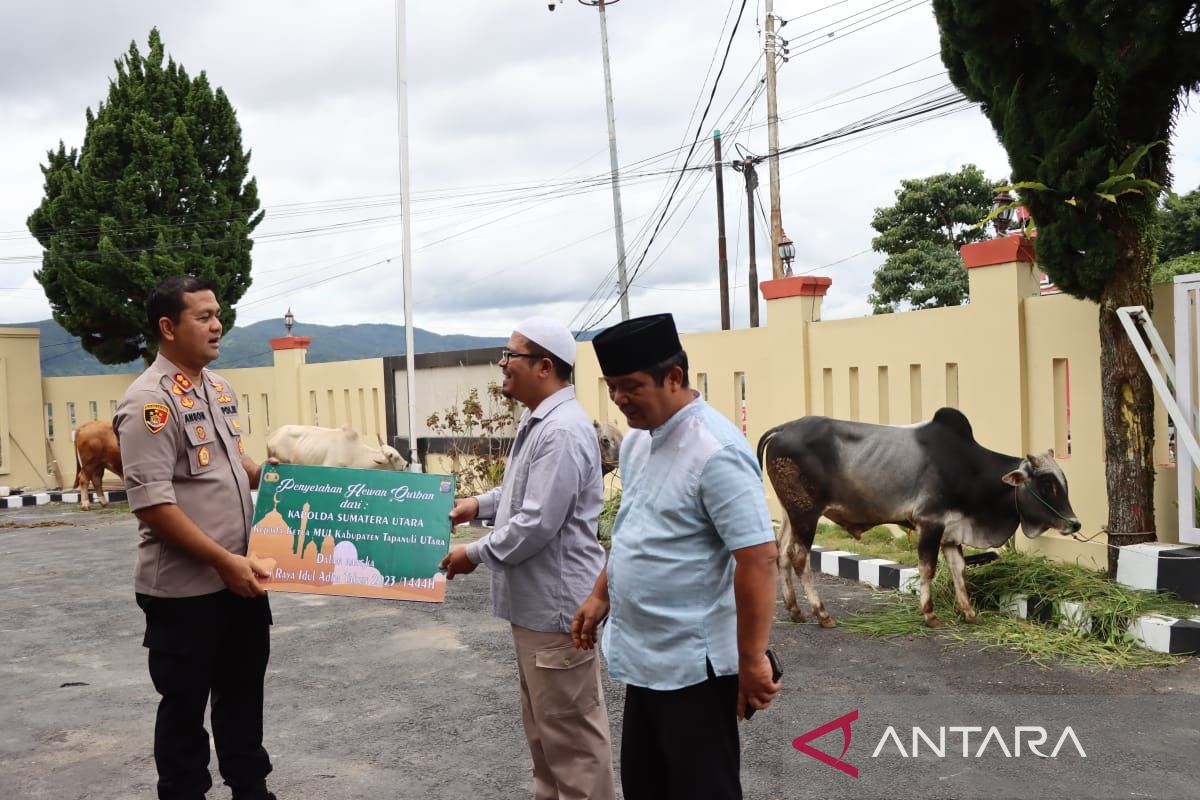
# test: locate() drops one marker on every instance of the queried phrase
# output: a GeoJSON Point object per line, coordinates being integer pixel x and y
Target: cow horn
{"type": "Point", "coordinates": [379, 437]}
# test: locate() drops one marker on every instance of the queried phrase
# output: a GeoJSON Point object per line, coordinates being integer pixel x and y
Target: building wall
{"type": "Point", "coordinates": [1010, 360]}
{"type": "Point", "coordinates": [22, 448]}
{"type": "Point", "coordinates": [1003, 360]}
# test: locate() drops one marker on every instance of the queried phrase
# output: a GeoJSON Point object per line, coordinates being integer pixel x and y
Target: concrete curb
{"type": "Point", "coordinates": [9, 500]}
{"type": "Point", "coordinates": [1155, 632]}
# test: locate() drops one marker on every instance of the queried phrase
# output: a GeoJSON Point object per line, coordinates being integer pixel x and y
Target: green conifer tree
{"type": "Point", "coordinates": [158, 188]}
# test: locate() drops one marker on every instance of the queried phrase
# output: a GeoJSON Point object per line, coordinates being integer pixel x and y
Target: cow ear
{"type": "Point", "coordinates": [1014, 478]}
{"type": "Point", "coordinates": [1049, 453]}
{"type": "Point", "coordinates": [595, 424]}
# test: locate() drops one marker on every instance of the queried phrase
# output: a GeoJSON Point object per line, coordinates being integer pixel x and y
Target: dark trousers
{"type": "Point", "coordinates": [682, 744]}
{"type": "Point", "coordinates": [213, 645]}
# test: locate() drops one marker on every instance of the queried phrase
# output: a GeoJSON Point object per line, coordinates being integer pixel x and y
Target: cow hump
{"type": "Point", "coordinates": [956, 422]}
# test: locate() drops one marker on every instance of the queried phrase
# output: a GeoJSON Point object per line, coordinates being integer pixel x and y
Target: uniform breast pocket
{"type": "Point", "coordinates": [198, 428]}
{"type": "Point", "coordinates": [234, 424]}
{"type": "Point", "coordinates": [202, 458]}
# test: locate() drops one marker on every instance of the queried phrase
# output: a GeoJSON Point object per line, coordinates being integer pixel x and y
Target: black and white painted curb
{"type": "Point", "coordinates": [1155, 632]}
{"type": "Point", "coordinates": [9, 500]}
{"type": "Point", "coordinates": [1161, 567]}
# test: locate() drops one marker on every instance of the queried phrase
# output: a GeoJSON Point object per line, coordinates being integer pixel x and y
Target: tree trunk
{"type": "Point", "coordinates": [1127, 400]}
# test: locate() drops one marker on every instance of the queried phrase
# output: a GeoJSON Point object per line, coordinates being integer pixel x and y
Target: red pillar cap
{"type": "Point", "coordinates": [1003, 250]}
{"type": "Point", "coordinates": [291, 343]}
{"type": "Point", "coordinates": [798, 286]}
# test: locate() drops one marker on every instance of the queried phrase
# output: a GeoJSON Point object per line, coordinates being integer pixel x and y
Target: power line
{"type": "Point", "coordinates": [658, 225]}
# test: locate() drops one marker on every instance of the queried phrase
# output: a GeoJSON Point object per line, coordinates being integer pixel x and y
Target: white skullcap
{"type": "Point", "coordinates": [551, 335]}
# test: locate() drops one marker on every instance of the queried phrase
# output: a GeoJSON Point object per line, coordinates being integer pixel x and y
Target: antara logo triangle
{"type": "Point", "coordinates": [843, 722]}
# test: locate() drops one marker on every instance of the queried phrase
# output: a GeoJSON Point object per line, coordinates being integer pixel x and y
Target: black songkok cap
{"type": "Point", "coordinates": [636, 344]}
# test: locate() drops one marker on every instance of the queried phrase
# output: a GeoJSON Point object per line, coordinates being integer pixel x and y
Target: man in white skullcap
{"type": "Point", "coordinates": [544, 559]}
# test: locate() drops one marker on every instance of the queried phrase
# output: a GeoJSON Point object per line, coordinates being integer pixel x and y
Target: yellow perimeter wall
{"type": "Point", "coordinates": [1008, 360]}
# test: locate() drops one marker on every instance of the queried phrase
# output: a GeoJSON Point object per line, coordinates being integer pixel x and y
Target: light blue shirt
{"type": "Point", "coordinates": [692, 494]}
{"type": "Point", "coordinates": [543, 551]}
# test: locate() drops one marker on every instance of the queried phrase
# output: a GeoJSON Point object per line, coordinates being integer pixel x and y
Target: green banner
{"type": "Point", "coordinates": [360, 532]}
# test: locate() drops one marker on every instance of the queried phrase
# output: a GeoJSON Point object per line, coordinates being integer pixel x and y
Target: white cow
{"type": "Point", "coordinates": [330, 447]}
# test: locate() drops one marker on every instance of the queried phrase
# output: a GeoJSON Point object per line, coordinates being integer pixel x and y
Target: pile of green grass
{"type": "Point", "coordinates": [608, 518]}
{"type": "Point", "coordinates": [1110, 606]}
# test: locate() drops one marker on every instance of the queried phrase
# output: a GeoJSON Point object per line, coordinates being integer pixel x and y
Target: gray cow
{"type": "Point", "coordinates": [932, 477]}
{"type": "Point", "coordinates": [609, 437]}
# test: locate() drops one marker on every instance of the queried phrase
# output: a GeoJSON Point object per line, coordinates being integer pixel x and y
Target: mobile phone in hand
{"type": "Point", "coordinates": [776, 674]}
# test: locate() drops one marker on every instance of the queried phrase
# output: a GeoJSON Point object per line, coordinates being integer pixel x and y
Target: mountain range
{"type": "Point", "coordinates": [248, 346]}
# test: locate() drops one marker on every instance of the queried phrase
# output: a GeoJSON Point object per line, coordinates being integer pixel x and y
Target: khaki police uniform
{"type": "Point", "coordinates": [181, 443]}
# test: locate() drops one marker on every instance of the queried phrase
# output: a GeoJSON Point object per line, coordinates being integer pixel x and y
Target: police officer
{"type": "Point", "coordinates": [188, 481]}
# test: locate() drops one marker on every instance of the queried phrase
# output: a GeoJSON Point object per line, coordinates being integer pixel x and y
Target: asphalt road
{"type": "Point", "coordinates": [370, 699]}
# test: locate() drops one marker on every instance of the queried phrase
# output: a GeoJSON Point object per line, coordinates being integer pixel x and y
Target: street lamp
{"type": "Point", "coordinates": [1004, 211]}
{"type": "Point", "coordinates": [288, 321]}
{"type": "Point", "coordinates": [787, 251]}
{"type": "Point", "coordinates": [619, 225]}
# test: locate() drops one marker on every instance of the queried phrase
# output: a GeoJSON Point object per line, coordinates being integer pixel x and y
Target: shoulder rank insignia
{"type": "Point", "coordinates": [155, 416]}
{"type": "Point", "coordinates": [175, 390]}
{"type": "Point", "coordinates": [202, 456]}
{"type": "Point", "coordinates": [241, 446]}
{"type": "Point", "coordinates": [187, 402]}
{"type": "Point", "coordinates": [182, 380]}
{"type": "Point", "coordinates": [200, 434]}
{"type": "Point", "coordinates": [224, 399]}
{"type": "Point", "coordinates": [220, 387]}
{"type": "Point", "coordinates": [237, 426]}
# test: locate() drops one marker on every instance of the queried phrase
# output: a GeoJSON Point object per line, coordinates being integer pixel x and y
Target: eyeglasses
{"type": "Point", "coordinates": [505, 355]}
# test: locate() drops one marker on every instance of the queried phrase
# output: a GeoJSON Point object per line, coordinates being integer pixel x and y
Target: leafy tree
{"type": "Point", "coordinates": [1180, 226]}
{"type": "Point", "coordinates": [1186, 264]}
{"type": "Point", "coordinates": [1083, 96]}
{"type": "Point", "coordinates": [158, 188]}
{"type": "Point", "coordinates": [927, 275]}
{"type": "Point", "coordinates": [921, 233]}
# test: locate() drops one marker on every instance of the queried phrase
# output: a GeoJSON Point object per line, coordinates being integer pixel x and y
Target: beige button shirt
{"type": "Point", "coordinates": [181, 443]}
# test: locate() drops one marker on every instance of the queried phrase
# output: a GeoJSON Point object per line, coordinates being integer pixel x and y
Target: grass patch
{"type": "Point", "coordinates": [1110, 605]}
{"type": "Point", "coordinates": [877, 543]}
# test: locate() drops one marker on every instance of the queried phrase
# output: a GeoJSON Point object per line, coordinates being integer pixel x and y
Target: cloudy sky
{"type": "Point", "coordinates": [512, 210]}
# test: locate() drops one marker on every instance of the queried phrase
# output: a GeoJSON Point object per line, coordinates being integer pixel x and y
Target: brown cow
{"type": "Point", "coordinates": [96, 449]}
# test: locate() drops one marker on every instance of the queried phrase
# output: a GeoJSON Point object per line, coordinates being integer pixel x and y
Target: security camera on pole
{"type": "Point", "coordinates": [619, 225]}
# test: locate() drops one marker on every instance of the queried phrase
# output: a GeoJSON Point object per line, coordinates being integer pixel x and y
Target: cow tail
{"type": "Point", "coordinates": [762, 442]}
{"type": "Point", "coordinates": [78, 463]}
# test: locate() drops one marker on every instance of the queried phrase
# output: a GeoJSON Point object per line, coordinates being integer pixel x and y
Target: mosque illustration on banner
{"type": "Point", "coordinates": [300, 561]}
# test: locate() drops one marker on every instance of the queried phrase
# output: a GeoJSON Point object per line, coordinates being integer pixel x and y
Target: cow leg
{"type": "Point", "coordinates": [98, 482]}
{"type": "Point", "coordinates": [955, 563]}
{"type": "Point", "coordinates": [785, 541]}
{"type": "Point", "coordinates": [805, 529]}
{"type": "Point", "coordinates": [83, 482]}
{"type": "Point", "coordinates": [928, 542]}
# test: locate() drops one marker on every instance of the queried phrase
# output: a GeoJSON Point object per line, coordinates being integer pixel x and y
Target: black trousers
{"type": "Point", "coordinates": [213, 645]}
{"type": "Point", "coordinates": [682, 744]}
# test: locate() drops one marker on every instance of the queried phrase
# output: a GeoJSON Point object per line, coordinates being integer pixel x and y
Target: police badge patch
{"type": "Point", "coordinates": [155, 415]}
{"type": "Point", "coordinates": [202, 456]}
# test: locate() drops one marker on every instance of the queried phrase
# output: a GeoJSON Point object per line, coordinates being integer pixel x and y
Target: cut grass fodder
{"type": "Point", "coordinates": [1109, 606]}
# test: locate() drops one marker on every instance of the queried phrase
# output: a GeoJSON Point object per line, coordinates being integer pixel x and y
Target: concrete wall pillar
{"type": "Point", "coordinates": [792, 305]}
{"type": "Point", "coordinates": [290, 353]}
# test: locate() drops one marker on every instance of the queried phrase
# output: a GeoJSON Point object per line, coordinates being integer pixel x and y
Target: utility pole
{"type": "Point", "coordinates": [751, 185]}
{"type": "Point", "coordinates": [414, 464]}
{"type": "Point", "coordinates": [619, 224]}
{"type": "Point", "coordinates": [773, 142]}
{"type": "Point", "coordinates": [722, 258]}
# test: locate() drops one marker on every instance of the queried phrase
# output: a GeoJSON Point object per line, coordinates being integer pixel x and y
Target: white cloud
{"type": "Point", "coordinates": [499, 94]}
